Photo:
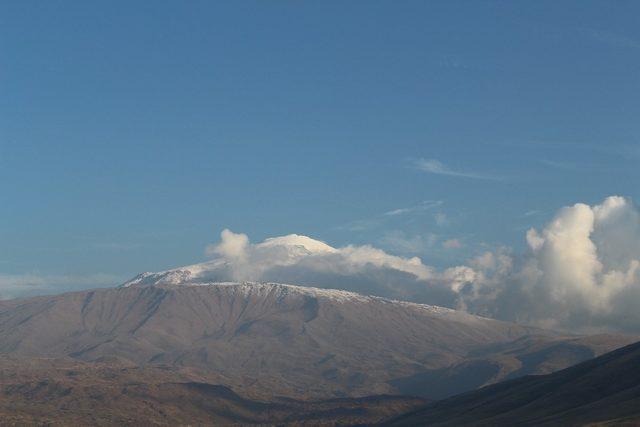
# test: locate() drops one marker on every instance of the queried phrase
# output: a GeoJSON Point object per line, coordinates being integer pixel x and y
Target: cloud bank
{"type": "Point", "coordinates": [580, 272]}
{"type": "Point", "coordinates": [306, 261]}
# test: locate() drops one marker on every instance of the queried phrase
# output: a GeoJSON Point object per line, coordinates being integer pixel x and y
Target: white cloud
{"type": "Point", "coordinates": [436, 167]}
{"type": "Point", "coordinates": [399, 211]}
{"type": "Point", "coordinates": [582, 272]}
{"type": "Point", "coordinates": [252, 261]}
{"type": "Point", "coordinates": [232, 246]}
{"type": "Point", "coordinates": [306, 261]}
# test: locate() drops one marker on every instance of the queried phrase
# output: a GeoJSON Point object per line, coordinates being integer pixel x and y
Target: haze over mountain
{"type": "Point", "coordinates": [273, 339]}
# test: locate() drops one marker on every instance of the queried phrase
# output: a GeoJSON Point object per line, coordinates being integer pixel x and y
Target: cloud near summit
{"type": "Point", "coordinates": [303, 260]}
{"type": "Point", "coordinates": [580, 272]}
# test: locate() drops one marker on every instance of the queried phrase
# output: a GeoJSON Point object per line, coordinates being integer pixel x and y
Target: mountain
{"type": "Point", "coordinates": [67, 392]}
{"type": "Point", "coordinates": [603, 391]}
{"type": "Point", "coordinates": [266, 339]}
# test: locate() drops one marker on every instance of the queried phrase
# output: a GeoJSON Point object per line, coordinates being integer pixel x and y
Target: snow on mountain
{"type": "Point", "coordinates": [275, 339]}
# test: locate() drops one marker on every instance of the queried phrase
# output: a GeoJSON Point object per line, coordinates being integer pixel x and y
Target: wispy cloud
{"type": "Point", "coordinates": [424, 206]}
{"type": "Point", "coordinates": [559, 164]}
{"type": "Point", "coordinates": [400, 242]}
{"type": "Point", "coordinates": [575, 167]}
{"type": "Point", "coordinates": [361, 224]}
{"type": "Point", "coordinates": [434, 166]}
{"type": "Point", "coordinates": [613, 39]}
{"type": "Point", "coordinates": [381, 219]}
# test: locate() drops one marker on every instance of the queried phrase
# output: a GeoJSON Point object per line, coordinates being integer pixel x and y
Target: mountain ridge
{"type": "Point", "coordinates": [262, 338]}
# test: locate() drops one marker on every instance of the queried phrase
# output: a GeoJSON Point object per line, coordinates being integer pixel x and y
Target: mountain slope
{"type": "Point", "coordinates": [59, 392]}
{"type": "Point", "coordinates": [272, 339]}
{"type": "Point", "coordinates": [605, 389]}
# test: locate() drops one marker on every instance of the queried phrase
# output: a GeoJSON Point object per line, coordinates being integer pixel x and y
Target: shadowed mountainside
{"type": "Point", "coordinates": [604, 390]}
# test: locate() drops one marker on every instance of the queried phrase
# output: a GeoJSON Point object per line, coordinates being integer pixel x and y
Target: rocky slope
{"type": "Point", "coordinates": [61, 392]}
{"type": "Point", "coordinates": [265, 339]}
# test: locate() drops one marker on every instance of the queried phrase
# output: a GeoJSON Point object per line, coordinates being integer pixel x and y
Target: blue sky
{"type": "Point", "coordinates": [132, 133]}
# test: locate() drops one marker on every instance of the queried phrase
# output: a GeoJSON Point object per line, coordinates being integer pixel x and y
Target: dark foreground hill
{"type": "Point", "coordinates": [263, 339]}
{"type": "Point", "coordinates": [56, 392]}
{"type": "Point", "coordinates": [605, 390]}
